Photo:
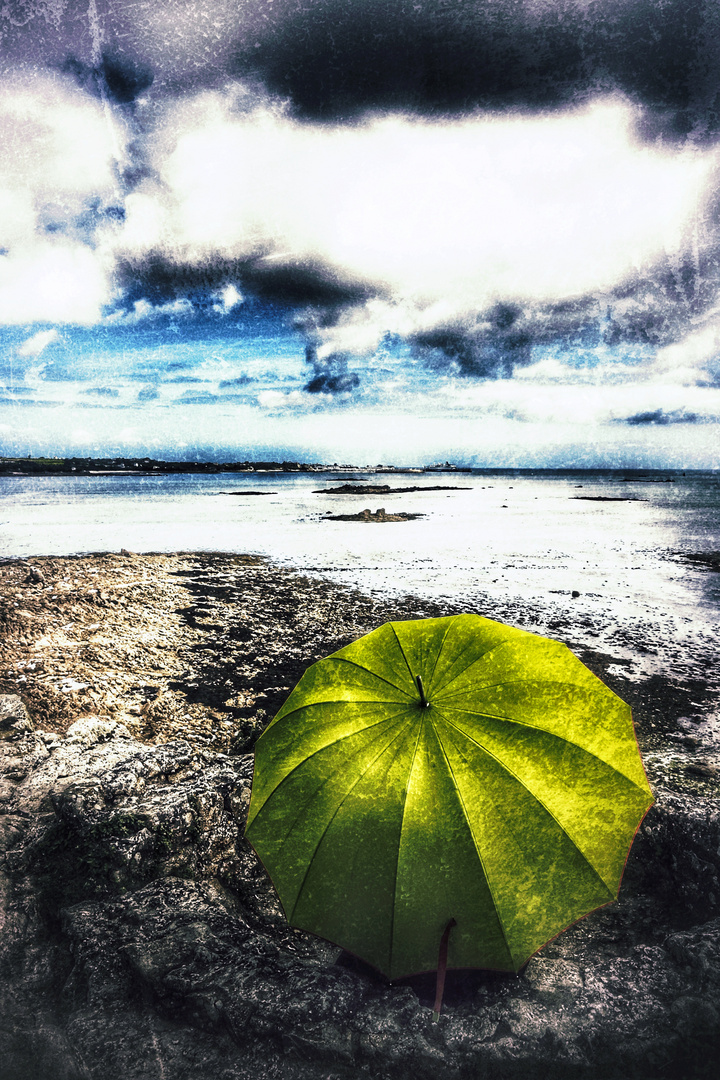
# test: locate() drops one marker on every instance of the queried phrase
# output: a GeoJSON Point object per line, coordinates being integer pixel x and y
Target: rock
{"type": "Point", "coordinates": [556, 982]}
{"type": "Point", "coordinates": [142, 938]}
{"type": "Point", "coordinates": [14, 717]}
{"type": "Point", "coordinates": [34, 576]}
{"type": "Point", "coordinates": [385, 489]}
{"type": "Point", "coordinates": [575, 594]}
{"type": "Point", "coordinates": [701, 768]}
{"type": "Point", "coordinates": [90, 730]}
{"type": "Point", "coordinates": [378, 516]}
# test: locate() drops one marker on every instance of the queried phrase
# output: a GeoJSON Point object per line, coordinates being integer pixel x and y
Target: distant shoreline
{"type": "Point", "coordinates": [133, 466]}
{"type": "Point", "coordinates": [121, 466]}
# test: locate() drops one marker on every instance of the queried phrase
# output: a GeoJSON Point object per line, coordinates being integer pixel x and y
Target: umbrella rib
{"type": "Point", "coordinates": [458, 657]}
{"type": "Point", "coordinates": [512, 682]}
{"type": "Point", "coordinates": [383, 719]}
{"type": "Point", "coordinates": [475, 845]}
{"type": "Point", "coordinates": [437, 657]}
{"type": "Point", "coordinates": [339, 701]}
{"type": "Point", "coordinates": [361, 667]}
{"type": "Point", "coordinates": [544, 731]}
{"type": "Point", "coordinates": [397, 861]}
{"type": "Point", "coordinates": [326, 746]}
{"type": "Point", "coordinates": [547, 810]}
{"type": "Point", "coordinates": [334, 815]}
{"type": "Point", "coordinates": [448, 628]}
{"type": "Point", "coordinates": [482, 656]}
{"type": "Point", "coordinates": [402, 653]}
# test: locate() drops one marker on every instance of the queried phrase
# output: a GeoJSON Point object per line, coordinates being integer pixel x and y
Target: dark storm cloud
{"type": "Point", "coordinates": [330, 374]}
{"type": "Point", "coordinates": [161, 280]}
{"type": "Point", "coordinates": [304, 283]}
{"type": "Point", "coordinates": [339, 58]}
{"type": "Point", "coordinates": [498, 341]}
{"type": "Point", "coordinates": [494, 348]}
{"type": "Point", "coordinates": [336, 59]}
{"type": "Point", "coordinates": [656, 307]}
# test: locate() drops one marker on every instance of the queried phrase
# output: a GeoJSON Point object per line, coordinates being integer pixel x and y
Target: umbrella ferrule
{"type": "Point", "coordinates": [424, 703]}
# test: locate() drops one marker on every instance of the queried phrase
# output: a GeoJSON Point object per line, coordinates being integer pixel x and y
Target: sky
{"type": "Point", "coordinates": [364, 231]}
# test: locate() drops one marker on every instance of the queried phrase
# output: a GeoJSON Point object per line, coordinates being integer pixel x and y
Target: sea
{"type": "Point", "coordinates": [611, 550]}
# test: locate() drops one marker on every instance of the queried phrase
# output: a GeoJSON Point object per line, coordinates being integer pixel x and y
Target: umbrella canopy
{"type": "Point", "coordinates": [502, 790]}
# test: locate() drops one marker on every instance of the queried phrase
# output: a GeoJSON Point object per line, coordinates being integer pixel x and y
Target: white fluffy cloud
{"type": "Point", "coordinates": [446, 217]}
{"type": "Point", "coordinates": [532, 207]}
{"type": "Point", "coordinates": [36, 344]}
{"type": "Point", "coordinates": [695, 359]}
{"type": "Point", "coordinates": [60, 154]}
{"type": "Point", "coordinates": [53, 282]}
{"type": "Point", "coordinates": [143, 311]}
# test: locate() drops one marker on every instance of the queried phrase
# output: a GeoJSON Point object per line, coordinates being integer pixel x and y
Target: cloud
{"type": "Point", "coordinates": [277, 399]}
{"type": "Point", "coordinates": [330, 374]}
{"type": "Point", "coordinates": [36, 344]}
{"type": "Point", "coordinates": [494, 346]}
{"type": "Point", "coordinates": [227, 299]}
{"type": "Point", "coordinates": [115, 77]}
{"type": "Point", "coordinates": [339, 59]}
{"type": "Point", "coordinates": [695, 358]}
{"type": "Point", "coordinates": [58, 189]}
{"type": "Point", "coordinates": [102, 392]}
{"type": "Point", "coordinates": [52, 282]}
{"type": "Point", "coordinates": [517, 206]}
{"type": "Point", "coordinates": [240, 380]}
{"type": "Point", "coordinates": [433, 231]}
{"type": "Point", "coordinates": [659, 416]}
{"type": "Point", "coordinates": [57, 141]}
{"type": "Point", "coordinates": [142, 311]}
{"type": "Point", "coordinates": [453, 187]}
{"type": "Point", "coordinates": [24, 395]}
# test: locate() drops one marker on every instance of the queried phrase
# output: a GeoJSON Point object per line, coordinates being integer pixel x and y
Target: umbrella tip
{"type": "Point", "coordinates": [423, 700]}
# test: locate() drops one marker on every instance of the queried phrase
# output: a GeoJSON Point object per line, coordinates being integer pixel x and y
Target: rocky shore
{"type": "Point", "coordinates": [140, 936]}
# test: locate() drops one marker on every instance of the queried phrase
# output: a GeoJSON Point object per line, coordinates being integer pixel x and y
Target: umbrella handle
{"type": "Point", "coordinates": [441, 969]}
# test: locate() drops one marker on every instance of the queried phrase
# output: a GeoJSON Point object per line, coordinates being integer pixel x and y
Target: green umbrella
{"type": "Point", "coordinates": [444, 774]}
